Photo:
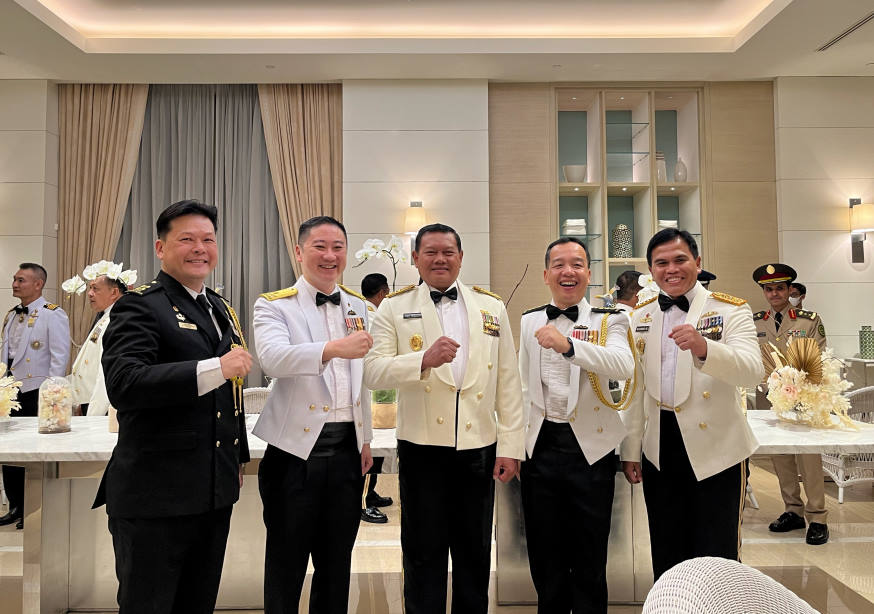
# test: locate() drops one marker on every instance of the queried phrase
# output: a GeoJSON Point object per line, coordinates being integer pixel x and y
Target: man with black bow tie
{"type": "Point", "coordinates": [449, 351]}
{"type": "Point", "coordinates": [568, 352]}
{"type": "Point", "coordinates": [695, 349]}
{"type": "Point", "coordinates": [174, 359]}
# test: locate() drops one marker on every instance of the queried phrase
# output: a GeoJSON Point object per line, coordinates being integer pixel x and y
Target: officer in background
{"type": "Point", "coordinates": [797, 294]}
{"type": "Point", "coordinates": [567, 351]}
{"type": "Point", "coordinates": [627, 287]}
{"type": "Point", "coordinates": [779, 325]}
{"type": "Point", "coordinates": [174, 360]}
{"type": "Point", "coordinates": [35, 345]}
{"type": "Point", "coordinates": [705, 277]}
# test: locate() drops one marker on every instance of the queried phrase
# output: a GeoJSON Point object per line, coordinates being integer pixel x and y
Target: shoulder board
{"type": "Point", "coordinates": [533, 309]}
{"type": "Point", "coordinates": [50, 306]}
{"type": "Point", "coordinates": [605, 310]}
{"type": "Point", "coordinates": [803, 313]}
{"type": "Point", "coordinates": [484, 291]}
{"type": "Point", "coordinates": [277, 294]}
{"type": "Point", "coordinates": [727, 298]}
{"type": "Point", "coordinates": [758, 315]}
{"type": "Point", "coordinates": [352, 292]}
{"type": "Point", "coordinates": [145, 288]}
{"type": "Point", "coordinates": [401, 291]}
{"type": "Point", "coordinates": [647, 302]}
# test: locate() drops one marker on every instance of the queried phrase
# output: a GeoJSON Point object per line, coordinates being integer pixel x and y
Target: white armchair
{"type": "Point", "coordinates": [846, 469]}
{"type": "Point", "coordinates": [254, 399]}
{"type": "Point", "coordinates": [710, 585]}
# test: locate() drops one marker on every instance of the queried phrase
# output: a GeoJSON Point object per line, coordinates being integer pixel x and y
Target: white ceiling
{"type": "Point", "coordinates": [512, 40]}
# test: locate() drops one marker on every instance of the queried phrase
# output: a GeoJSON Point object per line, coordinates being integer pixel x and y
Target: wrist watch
{"type": "Point", "coordinates": [570, 352]}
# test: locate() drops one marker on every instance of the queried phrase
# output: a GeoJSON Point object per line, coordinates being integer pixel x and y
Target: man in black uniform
{"type": "Point", "coordinates": [174, 360]}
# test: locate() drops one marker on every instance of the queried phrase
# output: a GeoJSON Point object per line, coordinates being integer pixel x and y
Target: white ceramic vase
{"type": "Point", "coordinates": [681, 173]}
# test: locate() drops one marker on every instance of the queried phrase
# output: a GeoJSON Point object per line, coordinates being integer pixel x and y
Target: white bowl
{"type": "Point", "coordinates": [574, 173]}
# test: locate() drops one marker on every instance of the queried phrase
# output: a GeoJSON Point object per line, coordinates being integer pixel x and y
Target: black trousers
{"type": "Point", "coordinates": [169, 565]}
{"type": "Point", "coordinates": [430, 477]}
{"type": "Point", "coordinates": [374, 472]}
{"type": "Point", "coordinates": [13, 477]}
{"type": "Point", "coordinates": [311, 507]}
{"type": "Point", "coordinates": [567, 505]}
{"type": "Point", "coordinates": [688, 518]}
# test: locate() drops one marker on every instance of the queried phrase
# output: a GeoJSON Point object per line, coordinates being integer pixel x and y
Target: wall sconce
{"type": "Point", "coordinates": [861, 222]}
{"type": "Point", "coordinates": [415, 217]}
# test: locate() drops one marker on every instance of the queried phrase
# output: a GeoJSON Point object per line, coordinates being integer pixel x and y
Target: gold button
{"type": "Point", "coordinates": [467, 426]}
{"type": "Point", "coordinates": [490, 365]}
{"type": "Point", "coordinates": [427, 388]}
{"type": "Point", "coordinates": [28, 360]}
{"type": "Point", "coordinates": [312, 407]}
{"type": "Point", "coordinates": [358, 403]}
{"type": "Point", "coordinates": [236, 442]}
{"type": "Point", "coordinates": [702, 425]}
{"type": "Point", "coordinates": [439, 419]}
{"type": "Point", "coordinates": [218, 444]}
{"type": "Point", "coordinates": [218, 414]}
{"type": "Point", "coordinates": [86, 360]}
{"type": "Point", "coordinates": [597, 408]}
{"type": "Point", "coordinates": [705, 394]}
{"type": "Point", "coordinates": [306, 429]}
{"type": "Point", "coordinates": [479, 395]}
{"type": "Point", "coordinates": [600, 430]}
{"type": "Point", "coordinates": [236, 412]}
{"type": "Point", "coordinates": [677, 410]}
{"type": "Point", "coordinates": [326, 408]}
{"type": "Point", "coordinates": [29, 375]}
{"type": "Point", "coordinates": [461, 394]}
{"type": "Point", "coordinates": [452, 389]}
{"type": "Point", "coordinates": [572, 418]}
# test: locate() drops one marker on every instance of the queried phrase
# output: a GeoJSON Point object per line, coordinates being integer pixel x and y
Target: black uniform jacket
{"type": "Point", "coordinates": [178, 453]}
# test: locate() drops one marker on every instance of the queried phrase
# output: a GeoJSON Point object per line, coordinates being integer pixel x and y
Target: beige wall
{"type": "Point", "coordinates": [28, 182]}
{"type": "Point", "coordinates": [825, 156]}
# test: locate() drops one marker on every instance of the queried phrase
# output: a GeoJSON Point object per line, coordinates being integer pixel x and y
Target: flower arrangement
{"type": "Point", "coordinates": [55, 405]}
{"type": "Point", "coordinates": [78, 285]}
{"type": "Point", "coordinates": [805, 385]}
{"type": "Point", "coordinates": [8, 393]}
{"type": "Point", "coordinates": [376, 249]}
{"type": "Point", "coordinates": [648, 288]}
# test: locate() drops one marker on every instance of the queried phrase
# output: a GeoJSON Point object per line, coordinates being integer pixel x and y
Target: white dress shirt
{"type": "Point", "coordinates": [555, 375]}
{"type": "Point", "coordinates": [674, 316]}
{"type": "Point", "coordinates": [209, 371]}
{"type": "Point", "coordinates": [16, 328]}
{"type": "Point", "coordinates": [453, 320]}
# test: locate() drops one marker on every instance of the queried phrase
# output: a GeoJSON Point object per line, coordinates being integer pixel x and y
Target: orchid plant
{"type": "Point", "coordinates": [376, 249]}
{"type": "Point", "coordinates": [78, 285]}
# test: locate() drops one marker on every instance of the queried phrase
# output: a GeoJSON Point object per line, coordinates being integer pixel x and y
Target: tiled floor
{"type": "Point", "coordinates": [837, 578]}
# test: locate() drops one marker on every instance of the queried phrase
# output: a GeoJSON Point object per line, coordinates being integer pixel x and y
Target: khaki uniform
{"type": "Point", "coordinates": [796, 323]}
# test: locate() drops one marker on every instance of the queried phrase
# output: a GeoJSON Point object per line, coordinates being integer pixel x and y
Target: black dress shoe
{"type": "Point", "coordinates": [788, 521]}
{"type": "Point", "coordinates": [817, 534]}
{"type": "Point", "coordinates": [371, 514]}
{"type": "Point", "coordinates": [20, 524]}
{"type": "Point", "coordinates": [13, 515]}
{"type": "Point", "coordinates": [374, 500]}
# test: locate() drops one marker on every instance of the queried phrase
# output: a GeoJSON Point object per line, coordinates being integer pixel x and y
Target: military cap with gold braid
{"type": "Point", "coordinates": [774, 273]}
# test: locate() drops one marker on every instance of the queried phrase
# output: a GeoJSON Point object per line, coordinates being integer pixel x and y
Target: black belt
{"type": "Point", "coordinates": [335, 437]}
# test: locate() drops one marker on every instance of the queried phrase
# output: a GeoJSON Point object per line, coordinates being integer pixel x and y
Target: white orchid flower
{"type": "Point", "coordinates": [374, 244]}
{"type": "Point", "coordinates": [128, 277]}
{"type": "Point", "coordinates": [74, 284]}
{"type": "Point", "coordinates": [113, 270]}
{"type": "Point", "coordinates": [363, 254]}
{"type": "Point", "coordinates": [90, 272]}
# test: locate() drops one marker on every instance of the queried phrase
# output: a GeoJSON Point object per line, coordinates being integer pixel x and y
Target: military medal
{"type": "Point", "coordinates": [641, 345]}
{"type": "Point", "coordinates": [354, 323]}
{"type": "Point", "coordinates": [646, 319]}
{"type": "Point", "coordinates": [416, 343]}
{"type": "Point", "coordinates": [94, 336]}
{"type": "Point", "coordinates": [491, 324]}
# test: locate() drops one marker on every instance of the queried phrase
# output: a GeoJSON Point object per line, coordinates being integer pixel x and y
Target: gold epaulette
{"type": "Point", "coordinates": [50, 306]}
{"type": "Point", "coordinates": [401, 291]}
{"type": "Point", "coordinates": [140, 290]}
{"type": "Point", "coordinates": [533, 309]}
{"type": "Point", "coordinates": [277, 294]}
{"type": "Point", "coordinates": [727, 298]}
{"type": "Point", "coordinates": [484, 291]}
{"type": "Point", "coordinates": [647, 302]}
{"type": "Point", "coordinates": [808, 315]}
{"type": "Point", "coordinates": [352, 292]}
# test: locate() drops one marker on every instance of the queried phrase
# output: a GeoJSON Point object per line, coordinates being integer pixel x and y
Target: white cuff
{"type": "Point", "coordinates": [209, 375]}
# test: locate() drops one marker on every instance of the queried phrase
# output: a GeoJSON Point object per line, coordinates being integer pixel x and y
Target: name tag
{"type": "Point", "coordinates": [412, 316]}
{"type": "Point", "coordinates": [641, 329]}
{"type": "Point", "coordinates": [762, 334]}
{"type": "Point", "coordinates": [188, 325]}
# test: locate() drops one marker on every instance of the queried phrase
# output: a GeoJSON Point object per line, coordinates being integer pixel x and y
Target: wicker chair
{"type": "Point", "coordinates": [710, 585]}
{"type": "Point", "coordinates": [846, 469]}
{"type": "Point", "coordinates": [254, 399]}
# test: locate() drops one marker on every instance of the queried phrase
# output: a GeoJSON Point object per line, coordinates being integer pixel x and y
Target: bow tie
{"type": "Point", "coordinates": [21, 309]}
{"type": "Point", "coordinates": [571, 313]}
{"type": "Point", "coordinates": [665, 302]}
{"type": "Point", "coordinates": [321, 298]}
{"type": "Point", "coordinates": [451, 294]}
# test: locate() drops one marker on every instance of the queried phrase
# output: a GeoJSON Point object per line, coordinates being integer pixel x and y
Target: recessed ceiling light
{"type": "Point", "coordinates": [670, 97]}
{"type": "Point", "coordinates": [576, 189]}
{"type": "Point", "coordinates": [556, 65]}
{"type": "Point", "coordinates": [573, 97]}
{"type": "Point", "coordinates": [622, 98]}
{"type": "Point", "coordinates": [624, 189]}
{"type": "Point", "coordinates": [270, 66]}
{"type": "Point", "coordinates": [672, 189]}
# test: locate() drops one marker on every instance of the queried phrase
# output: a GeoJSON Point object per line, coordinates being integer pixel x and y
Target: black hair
{"type": "Point", "coordinates": [666, 235]}
{"type": "Point", "coordinates": [38, 271]}
{"type": "Point", "coordinates": [561, 241]}
{"type": "Point", "coordinates": [116, 283]}
{"type": "Point", "coordinates": [373, 283]}
{"type": "Point", "coordinates": [305, 228]}
{"type": "Point", "coordinates": [802, 289]}
{"type": "Point", "coordinates": [627, 282]}
{"type": "Point", "coordinates": [184, 207]}
{"type": "Point", "coordinates": [442, 228]}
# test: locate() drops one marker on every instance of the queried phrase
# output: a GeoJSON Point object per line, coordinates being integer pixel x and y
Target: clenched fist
{"type": "Point", "coordinates": [351, 346]}
{"type": "Point", "coordinates": [236, 363]}
{"type": "Point", "coordinates": [549, 338]}
{"type": "Point", "coordinates": [441, 351]}
{"type": "Point", "coordinates": [687, 338]}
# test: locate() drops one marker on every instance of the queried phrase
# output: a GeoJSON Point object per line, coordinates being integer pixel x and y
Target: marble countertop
{"type": "Point", "coordinates": [90, 440]}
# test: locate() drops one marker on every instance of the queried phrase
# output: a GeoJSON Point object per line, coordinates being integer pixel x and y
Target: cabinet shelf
{"type": "Point", "coordinates": [619, 188]}
{"type": "Point", "coordinates": [674, 189]}
{"type": "Point", "coordinates": [630, 261]}
{"type": "Point", "coordinates": [577, 189]}
{"type": "Point", "coordinates": [624, 130]}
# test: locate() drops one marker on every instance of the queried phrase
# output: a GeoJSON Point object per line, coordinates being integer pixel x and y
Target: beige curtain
{"type": "Point", "coordinates": [101, 127]}
{"type": "Point", "coordinates": [303, 128]}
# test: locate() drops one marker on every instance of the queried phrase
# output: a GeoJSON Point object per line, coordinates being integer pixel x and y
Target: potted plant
{"type": "Point", "coordinates": [384, 406]}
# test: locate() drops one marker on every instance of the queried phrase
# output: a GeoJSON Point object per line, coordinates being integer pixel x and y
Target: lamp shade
{"type": "Point", "coordinates": [862, 218]}
{"type": "Point", "coordinates": [414, 219]}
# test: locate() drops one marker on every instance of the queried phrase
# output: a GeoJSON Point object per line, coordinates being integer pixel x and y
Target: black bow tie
{"type": "Point", "coordinates": [21, 309]}
{"type": "Point", "coordinates": [571, 313]}
{"type": "Point", "coordinates": [665, 302]}
{"type": "Point", "coordinates": [322, 298]}
{"type": "Point", "coordinates": [451, 294]}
